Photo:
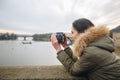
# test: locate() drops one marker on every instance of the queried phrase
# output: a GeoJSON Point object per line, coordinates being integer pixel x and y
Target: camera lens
{"type": "Point", "coordinates": [60, 37]}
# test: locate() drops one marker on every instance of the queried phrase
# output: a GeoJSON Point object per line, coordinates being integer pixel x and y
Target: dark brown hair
{"type": "Point", "coordinates": [82, 24]}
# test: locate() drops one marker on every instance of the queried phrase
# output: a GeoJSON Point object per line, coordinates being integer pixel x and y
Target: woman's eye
{"type": "Point", "coordinates": [72, 32]}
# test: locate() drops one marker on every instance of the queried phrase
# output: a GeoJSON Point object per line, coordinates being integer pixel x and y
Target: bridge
{"type": "Point", "coordinates": [24, 36]}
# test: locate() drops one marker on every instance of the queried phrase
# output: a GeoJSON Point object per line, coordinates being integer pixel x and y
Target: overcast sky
{"type": "Point", "coordinates": [44, 16]}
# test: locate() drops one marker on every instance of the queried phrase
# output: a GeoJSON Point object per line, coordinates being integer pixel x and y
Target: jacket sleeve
{"type": "Point", "coordinates": [81, 67]}
{"type": "Point", "coordinates": [70, 53]}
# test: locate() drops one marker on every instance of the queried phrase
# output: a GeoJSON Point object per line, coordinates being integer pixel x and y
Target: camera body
{"type": "Point", "coordinates": [61, 37]}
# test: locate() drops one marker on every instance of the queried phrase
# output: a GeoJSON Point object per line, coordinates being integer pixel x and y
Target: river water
{"type": "Point", "coordinates": [15, 53]}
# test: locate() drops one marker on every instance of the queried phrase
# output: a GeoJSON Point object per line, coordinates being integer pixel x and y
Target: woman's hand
{"type": "Point", "coordinates": [55, 43]}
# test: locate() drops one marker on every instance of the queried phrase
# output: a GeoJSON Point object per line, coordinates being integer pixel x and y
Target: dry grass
{"type": "Point", "coordinates": [35, 72]}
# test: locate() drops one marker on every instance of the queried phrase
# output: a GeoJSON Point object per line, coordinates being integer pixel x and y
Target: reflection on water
{"type": "Point", "coordinates": [15, 53]}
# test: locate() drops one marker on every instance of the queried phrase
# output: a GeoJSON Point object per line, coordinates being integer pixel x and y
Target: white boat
{"type": "Point", "coordinates": [27, 42]}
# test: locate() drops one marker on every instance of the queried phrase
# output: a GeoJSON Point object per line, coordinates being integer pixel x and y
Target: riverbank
{"type": "Point", "coordinates": [35, 72]}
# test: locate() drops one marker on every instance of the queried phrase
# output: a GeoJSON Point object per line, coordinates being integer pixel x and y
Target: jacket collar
{"type": "Point", "coordinates": [84, 39]}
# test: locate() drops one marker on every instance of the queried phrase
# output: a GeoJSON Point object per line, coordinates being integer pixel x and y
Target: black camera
{"type": "Point", "coordinates": [61, 37]}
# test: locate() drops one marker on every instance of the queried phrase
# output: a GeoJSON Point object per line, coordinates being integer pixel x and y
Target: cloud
{"type": "Point", "coordinates": [42, 16]}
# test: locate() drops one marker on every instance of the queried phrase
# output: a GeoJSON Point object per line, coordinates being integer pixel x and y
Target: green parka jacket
{"type": "Point", "coordinates": [96, 60]}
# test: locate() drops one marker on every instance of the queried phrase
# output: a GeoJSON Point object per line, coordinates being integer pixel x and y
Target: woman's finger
{"type": "Point", "coordinates": [53, 38]}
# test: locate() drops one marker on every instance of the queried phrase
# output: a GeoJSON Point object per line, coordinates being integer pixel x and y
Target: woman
{"type": "Point", "coordinates": [92, 55]}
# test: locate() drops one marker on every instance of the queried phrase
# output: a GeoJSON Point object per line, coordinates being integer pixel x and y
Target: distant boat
{"type": "Point", "coordinates": [27, 42]}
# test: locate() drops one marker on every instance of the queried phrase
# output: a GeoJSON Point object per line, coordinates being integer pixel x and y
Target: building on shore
{"type": "Point", "coordinates": [115, 34]}
{"type": "Point", "coordinates": [116, 38]}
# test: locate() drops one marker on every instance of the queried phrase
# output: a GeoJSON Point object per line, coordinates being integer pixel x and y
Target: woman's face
{"type": "Point", "coordinates": [74, 34]}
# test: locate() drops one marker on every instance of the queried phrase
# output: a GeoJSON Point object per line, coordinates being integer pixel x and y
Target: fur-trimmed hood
{"type": "Point", "coordinates": [90, 35]}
